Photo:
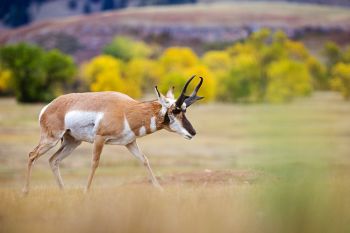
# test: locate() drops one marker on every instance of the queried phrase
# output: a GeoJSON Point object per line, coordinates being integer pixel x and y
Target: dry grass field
{"type": "Point", "coordinates": [251, 168]}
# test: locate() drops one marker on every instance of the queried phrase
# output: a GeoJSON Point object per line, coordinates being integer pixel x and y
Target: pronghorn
{"type": "Point", "coordinates": [108, 118]}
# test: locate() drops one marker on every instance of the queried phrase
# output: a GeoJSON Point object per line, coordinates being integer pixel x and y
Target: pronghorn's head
{"type": "Point", "coordinates": [173, 110]}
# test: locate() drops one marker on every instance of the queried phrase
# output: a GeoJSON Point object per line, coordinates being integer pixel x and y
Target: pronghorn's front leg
{"type": "Point", "coordinates": [98, 146]}
{"type": "Point", "coordinates": [135, 150]}
{"type": "Point", "coordinates": [45, 144]}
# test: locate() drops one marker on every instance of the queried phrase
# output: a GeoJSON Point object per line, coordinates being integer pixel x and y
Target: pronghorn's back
{"type": "Point", "coordinates": [82, 112]}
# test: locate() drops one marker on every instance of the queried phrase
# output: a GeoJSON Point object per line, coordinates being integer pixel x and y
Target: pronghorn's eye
{"type": "Point", "coordinates": [176, 111]}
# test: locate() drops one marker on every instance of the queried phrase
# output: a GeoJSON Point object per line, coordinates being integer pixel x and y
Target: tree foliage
{"type": "Point", "coordinates": [269, 67]}
{"type": "Point", "coordinates": [5, 81]}
{"type": "Point", "coordinates": [341, 79]}
{"type": "Point", "coordinates": [106, 73]}
{"type": "Point", "coordinates": [145, 72]}
{"type": "Point", "coordinates": [178, 64]}
{"type": "Point", "coordinates": [36, 75]}
{"type": "Point", "coordinates": [126, 48]}
{"type": "Point", "coordinates": [287, 79]}
{"type": "Point", "coordinates": [176, 58]}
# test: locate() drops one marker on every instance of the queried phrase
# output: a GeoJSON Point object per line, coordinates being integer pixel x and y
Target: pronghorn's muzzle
{"type": "Point", "coordinates": [189, 128]}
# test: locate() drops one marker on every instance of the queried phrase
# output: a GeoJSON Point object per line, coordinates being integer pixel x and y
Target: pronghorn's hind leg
{"type": "Point", "coordinates": [45, 144]}
{"type": "Point", "coordinates": [68, 145]}
{"type": "Point", "coordinates": [98, 146]}
{"type": "Point", "coordinates": [135, 150]}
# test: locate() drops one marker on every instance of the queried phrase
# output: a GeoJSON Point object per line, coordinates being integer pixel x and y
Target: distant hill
{"type": "Point", "coordinates": [198, 25]}
{"type": "Point", "coordinates": [21, 12]}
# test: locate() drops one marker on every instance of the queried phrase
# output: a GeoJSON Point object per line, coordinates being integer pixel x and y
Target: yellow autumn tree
{"type": "Point", "coordinates": [209, 88]}
{"type": "Point", "coordinates": [145, 72]}
{"type": "Point", "coordinates": [176, 58]}
{"type": "Point", "coordinates": [179, 78]}
{"type": "Point", "coordinates": [318, 72]}
{"type": "Point", "coordinates": [107, 81]}
{"type": "Point", "coordinates": [5, 80]}
{"type": "Point", "coordinates": [217, 61]}
{"type": "Point", "coordinates": [287, 79]}
{"type": "Point", "coordinates": [106, 73]}
{"type": "Point", "coordinates": [179, 63]}
{"type": "Point", "coordinates": [101, 64]}
{"type": "Point", "coordinates": [341, 79]}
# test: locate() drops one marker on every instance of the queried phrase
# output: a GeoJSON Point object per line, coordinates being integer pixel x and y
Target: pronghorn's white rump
{"type": "Point", "coordinates": [42, 111]}
{"type": "Point", "coordinates": [108, 118]}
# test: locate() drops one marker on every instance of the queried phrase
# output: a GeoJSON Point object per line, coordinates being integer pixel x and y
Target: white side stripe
{"type": "Point", "coordinates": [153, 125]}
{"type": "Point", "coordinates": [142, 131]}
{"type": "Point", "coordinates": [127, 135]}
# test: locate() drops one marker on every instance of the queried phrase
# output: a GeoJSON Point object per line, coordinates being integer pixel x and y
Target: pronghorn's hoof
{"type": "Point", "coordinates": [158, 186]}
{"type": "Point", "coordinates": [25, 191]}
{"type": "Point", "coordinates": [86, 190]}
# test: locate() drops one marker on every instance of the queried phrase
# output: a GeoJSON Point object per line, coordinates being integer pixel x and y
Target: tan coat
{"type": "Point", "coordinates": [115, 108]}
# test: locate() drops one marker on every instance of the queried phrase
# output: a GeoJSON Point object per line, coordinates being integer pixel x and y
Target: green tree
{"type": "Point", "coordinates": [346, 55]}
{"type": "Point", "coordinates": [25, 62]}
{"type": "Point", "coordinates": [126, 48]}
{"type": "Point", "coordinates": [243, 81]}
{"type": "Point", "coordinates": [60, 70]}
{"type": "Point", "coordinates": [332, 54]}
{"type": "Point", "coordinates": [36, 75]}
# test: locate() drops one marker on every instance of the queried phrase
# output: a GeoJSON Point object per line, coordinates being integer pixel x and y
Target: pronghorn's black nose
{"type": "Point", "coordinates": [191, 130]}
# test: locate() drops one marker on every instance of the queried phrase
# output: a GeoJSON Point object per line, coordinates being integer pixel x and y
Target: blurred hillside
{"type": "Point", "coordinates": [200, 26]}
{"type": "Point", "coordinates": [21, 12]}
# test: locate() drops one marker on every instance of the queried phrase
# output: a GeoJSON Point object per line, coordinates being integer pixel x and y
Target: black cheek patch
{"type": "Point", "coordinates": [166, 119]}
{"type": "Point", "coordinates": [176, 111]}
{"type": "Point", "coordinates": [187, 125]}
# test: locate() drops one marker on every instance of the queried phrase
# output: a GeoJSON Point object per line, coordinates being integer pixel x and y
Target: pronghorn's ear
{"type": "Point", "coordinates": [170, 93]}
{"type": "Point", "coordinates": [160, 97]}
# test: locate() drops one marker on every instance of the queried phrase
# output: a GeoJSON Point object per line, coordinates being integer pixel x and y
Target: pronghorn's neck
{"type": "Point", "coordinates": [144, 117]}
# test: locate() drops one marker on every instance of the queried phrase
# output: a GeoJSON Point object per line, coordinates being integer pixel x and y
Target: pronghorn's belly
{"type": "Point", "coordinates": [83, 125]}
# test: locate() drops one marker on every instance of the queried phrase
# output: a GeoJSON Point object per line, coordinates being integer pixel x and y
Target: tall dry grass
{"type": "Point", "coordinates": [298, 155]}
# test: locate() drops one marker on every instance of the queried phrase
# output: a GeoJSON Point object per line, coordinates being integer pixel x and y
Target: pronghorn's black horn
{"type": "Point", "coordinates": [182, 96]}
{"type": "Point", "coordinates": [193, 97]}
